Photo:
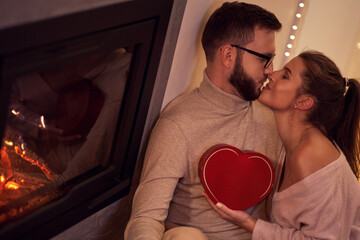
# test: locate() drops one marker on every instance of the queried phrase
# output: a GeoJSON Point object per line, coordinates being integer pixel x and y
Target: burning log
{"type": "Point", "coordinates": [40, 164]}
{"type": "Point", "coordinates": [6, 171]}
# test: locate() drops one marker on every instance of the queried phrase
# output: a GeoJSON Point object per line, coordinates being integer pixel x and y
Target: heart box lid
{"type": "Point", "coordinates": [238, 179]}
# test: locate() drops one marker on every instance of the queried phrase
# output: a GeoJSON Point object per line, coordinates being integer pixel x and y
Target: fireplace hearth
{"type": "Point", "coordinates": [75, 92]}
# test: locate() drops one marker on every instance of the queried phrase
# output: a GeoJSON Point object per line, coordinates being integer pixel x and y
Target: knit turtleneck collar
{"type": "Point", "coordinates": [221, 98]}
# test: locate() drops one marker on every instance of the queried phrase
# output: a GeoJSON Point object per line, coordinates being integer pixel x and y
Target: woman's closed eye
{"type": "Point", "coordinates": [284, 77]}
{"type": "Point", "coordinates": [284, 74]}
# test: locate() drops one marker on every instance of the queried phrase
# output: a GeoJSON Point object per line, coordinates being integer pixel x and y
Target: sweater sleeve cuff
{"type": "Point", "coordinates": [262, 229]}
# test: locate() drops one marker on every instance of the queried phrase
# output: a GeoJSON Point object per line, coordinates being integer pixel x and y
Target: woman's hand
{"type": "Point", "coordinates": [240, 218]}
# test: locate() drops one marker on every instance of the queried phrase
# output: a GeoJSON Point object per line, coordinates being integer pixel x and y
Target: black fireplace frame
{"type": "Point", "coordinates": [46, 43]}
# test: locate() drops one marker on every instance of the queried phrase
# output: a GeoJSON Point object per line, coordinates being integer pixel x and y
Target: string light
{"type": "Point", "coordinates": [295, 26]}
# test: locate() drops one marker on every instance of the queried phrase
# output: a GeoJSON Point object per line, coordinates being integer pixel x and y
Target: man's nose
{"type": "Point", "coordinates": [269, 70]}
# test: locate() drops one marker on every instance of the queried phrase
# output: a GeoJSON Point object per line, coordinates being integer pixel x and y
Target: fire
{"type": "Point", "coordinates": [12, 185]}
{"type": "Point", "coordinates": [20, 151]}
{"type": "Point", "coordinates": [42, 120]}
{"type": "Point", "coordinates": [42, 166]}
{"type": "Point", "coordinates": [6, 171]}
{"type": "Point", "coordinates": [9, 143]}
{"type": "Point", "coordinates": [15, 112]}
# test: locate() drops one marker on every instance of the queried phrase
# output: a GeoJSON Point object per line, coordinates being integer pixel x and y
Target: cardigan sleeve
{"type": "Point", "coordinates": [272, 231]}
{"type": "Point", "coordinates": [318, 222]}
{"type": "Point", "coordinates": [323, 206]}
{"type": "Point", "coordinates": [164, 164]}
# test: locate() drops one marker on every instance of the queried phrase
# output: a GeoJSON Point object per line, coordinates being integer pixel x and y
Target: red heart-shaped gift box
{"type": "Point", "coordinates": [235, 178]}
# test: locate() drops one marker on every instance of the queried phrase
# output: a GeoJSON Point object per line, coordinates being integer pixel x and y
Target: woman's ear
{"type": "Point", "coordinates": [228, 56]}
{"type": "Point", "coordinates": [305, 102]}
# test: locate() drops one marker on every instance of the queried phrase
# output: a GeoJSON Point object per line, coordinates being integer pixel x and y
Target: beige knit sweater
{"type": "Point", "coordinates": [324, 205]}
{"type": "Point", "coordinates": [170, 190]}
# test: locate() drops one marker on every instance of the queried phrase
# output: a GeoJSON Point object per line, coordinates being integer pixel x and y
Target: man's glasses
{"type": "Point", "coordinates": [269, 59]}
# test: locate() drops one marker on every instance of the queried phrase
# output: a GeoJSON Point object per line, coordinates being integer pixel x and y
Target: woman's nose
{"type": "Point", "coordinates": [272, 76]}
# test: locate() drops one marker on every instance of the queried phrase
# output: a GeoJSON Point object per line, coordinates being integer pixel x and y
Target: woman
{"type": "Point", "coordinates": [317, 195]}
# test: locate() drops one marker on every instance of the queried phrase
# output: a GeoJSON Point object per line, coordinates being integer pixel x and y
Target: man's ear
{"type": "Point", "coordinates": [228, 56]}
{"type": "Point", "coordinates": [305, 102]}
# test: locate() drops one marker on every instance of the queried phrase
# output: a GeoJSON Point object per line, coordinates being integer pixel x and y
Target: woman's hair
{"type": "Point", "coordinates": [234, 23]}
{"type": "Point", "coordinates": [336, 111]}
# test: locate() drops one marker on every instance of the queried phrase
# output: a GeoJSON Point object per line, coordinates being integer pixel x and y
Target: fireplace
{"type": "Point", "coordinates": [74, 97]}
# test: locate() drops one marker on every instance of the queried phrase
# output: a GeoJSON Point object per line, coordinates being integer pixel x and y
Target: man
{"type": "Point", "coordinates": [239, 43]}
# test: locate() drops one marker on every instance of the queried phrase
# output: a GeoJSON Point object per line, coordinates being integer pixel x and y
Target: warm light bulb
{"type": "Point", "coordinates": [292, 37]}
{"type": "Point", "coordinates": [358, 45]}
{"type": "Point", "coordinates": [301, 4]}
{"type": "Point", "coordinates": [298, 15]}
{"type": "Point", "coordinates": [287, 54]}
{"type": "Point", "coordinates": [294, 27]}
{"type": "Point", "coordinates": [289, 45]}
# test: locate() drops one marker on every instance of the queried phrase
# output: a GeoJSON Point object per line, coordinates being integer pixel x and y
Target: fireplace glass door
{"type": "Point", "coordinates": [73, 106]}
{"type": "Point", "coordinates": [60, 124]}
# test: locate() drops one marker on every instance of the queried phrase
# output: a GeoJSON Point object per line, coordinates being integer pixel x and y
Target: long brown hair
{"type": "Point", "coordinates": [337, 108]}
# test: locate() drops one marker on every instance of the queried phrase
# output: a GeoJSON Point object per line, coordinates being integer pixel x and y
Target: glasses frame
{"type": "Point", "coordinates": [269, 59]}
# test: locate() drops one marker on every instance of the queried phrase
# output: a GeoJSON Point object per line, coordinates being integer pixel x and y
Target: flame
{"type": "Point", "coordinates": [20, 151]}
{"type": "Point", "coordinates": [9, 143]}
{"type": "Point", "coordinates": [15, 112]}
{"type": "Point", "coordinates": [42, 166]}
{"type": "Point", "coordinates": [42, 119]}
{"type": "Point", "coordinates": [12, 185]}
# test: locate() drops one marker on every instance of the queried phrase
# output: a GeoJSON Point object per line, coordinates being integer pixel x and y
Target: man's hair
{"type": "Point", "coordinates": [234, 23]}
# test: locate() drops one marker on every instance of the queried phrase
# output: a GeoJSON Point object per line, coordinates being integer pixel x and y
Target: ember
{"type": "Point", "coordinates": [25, 181]}
{"type": "Point", "coordinates": [5, 167]}
{"type": "Point", "coordinates": [22, 153]}
{"type": "Point", "coordinates": [11, 185]}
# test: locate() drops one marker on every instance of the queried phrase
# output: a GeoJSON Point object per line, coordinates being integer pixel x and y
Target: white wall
{"type": "Point", "coordinates": [330, 26]}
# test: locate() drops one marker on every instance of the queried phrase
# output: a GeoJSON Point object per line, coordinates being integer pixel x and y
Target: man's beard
{"type": "Point", "coordinates": [243, 83]}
